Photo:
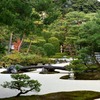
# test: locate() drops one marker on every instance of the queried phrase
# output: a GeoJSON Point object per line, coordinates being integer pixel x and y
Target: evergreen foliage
{"type": "Point", "coordinates": [49, 49]}
{"type": "Point", "coordinates": [45, 25]}
{"type": "Point", "coordinates": [22, 83]}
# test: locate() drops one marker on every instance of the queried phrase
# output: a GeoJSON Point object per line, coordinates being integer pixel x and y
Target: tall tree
{"type": "Point", "coordinates": [18, 15]}
{"type": "Point", "coordinates": [47, 9]}
{"type": "Point", "coordinates": [78, 5]}
{"type": "Point", "coordinates": [89, 40]}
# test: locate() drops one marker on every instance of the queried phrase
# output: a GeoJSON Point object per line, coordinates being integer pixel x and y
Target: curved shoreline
{"type": "Point", "coordinates": [51, 83]}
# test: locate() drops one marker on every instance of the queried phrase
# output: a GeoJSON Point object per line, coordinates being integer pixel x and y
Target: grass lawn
{"type": "Point", "coordinates": [75, 95]}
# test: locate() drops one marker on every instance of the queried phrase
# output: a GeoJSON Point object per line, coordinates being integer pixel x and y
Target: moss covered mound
{"type": "Point", "coordinates": [88, 76]}
{"type": "Point", "coordinates": [76, 95]}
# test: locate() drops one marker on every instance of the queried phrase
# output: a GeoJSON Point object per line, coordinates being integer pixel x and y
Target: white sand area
{"type": "Point", "coordinates": [50, 83]}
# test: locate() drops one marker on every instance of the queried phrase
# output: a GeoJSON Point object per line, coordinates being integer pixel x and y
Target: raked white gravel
{"type": "Point", "coordinates": [50, 83]}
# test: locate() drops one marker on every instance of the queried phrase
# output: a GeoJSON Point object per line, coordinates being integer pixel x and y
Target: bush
{"type": "Point", "coordinates": [49, 49]}
{"type": "Point", "coordinates": [77, 66]}
{"type": "Point", "coordinates": [33, 59]}
{"type": "Point", "coordinates": [55, 42]}
{"type": "Point", "coordinates": [59, 55]}
{"type": "Point", "coordinates": [13, 58]}
{"type": "Point", "coordinates": [23, 59]}
{"type": "Point", "coordinates": [41, 42]}
{"type": "Point", "coordinates": [38, 50]}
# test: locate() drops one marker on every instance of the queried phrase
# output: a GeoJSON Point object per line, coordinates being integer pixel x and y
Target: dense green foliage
{"type": "Point", "coordinates": [55, 42]}
{"type": "Point", "coordinates": [78, 5]}
{"type": "Point", "coordinates": [89, 40]}
{"type": "Point", "coordinates": [17, 15]}
{"type": "Point", "coordinates": [50, 28]}
{"type": "Point", "coordinates": [44, 26]}
{"type": "Point", "coordinates": [49, 48]}
{"type": "Point", "coordinates": [23, 59]}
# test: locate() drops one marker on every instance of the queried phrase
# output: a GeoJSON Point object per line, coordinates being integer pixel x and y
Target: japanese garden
{"type": "Point", "coordinates": [49, 49]}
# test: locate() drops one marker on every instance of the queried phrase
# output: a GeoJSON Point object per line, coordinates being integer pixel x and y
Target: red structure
{"type": "Point", "coordinates": [17, 45]}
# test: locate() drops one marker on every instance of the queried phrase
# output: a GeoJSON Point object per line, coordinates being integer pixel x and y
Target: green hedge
{"type": "Point", "coordinates": [23, 59]}
{"type": "Point", "coordinates": [59, 55]}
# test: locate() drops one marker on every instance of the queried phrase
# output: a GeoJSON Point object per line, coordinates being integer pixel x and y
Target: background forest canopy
{"type": "Point", "coordinates": [48, 27]}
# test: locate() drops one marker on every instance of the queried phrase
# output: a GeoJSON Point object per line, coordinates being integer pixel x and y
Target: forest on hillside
{"type": "Point", "coordinates": [42, 29]}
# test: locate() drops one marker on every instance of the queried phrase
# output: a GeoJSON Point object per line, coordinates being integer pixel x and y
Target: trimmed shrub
{"type": "Point", "coordinates": [24, 59]}
{"type": "Point", "coordinates": [77, 66]}
{"type": "Point", "coordinates": [55, 42]}
{"type": "Point", "coordinates": [49, 49]}
{"type": "Point", "coordinates": [38, 50]}
{"type": "Point", "coordinates": [59, 55]}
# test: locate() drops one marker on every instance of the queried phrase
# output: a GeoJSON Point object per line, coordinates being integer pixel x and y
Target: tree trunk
{"type": "Point", "coordinates": [18, 94]}
{"type": "Point", "coordinates": [21, 43]}
{"type": "Point", "coordinates": [29, 46]}
{"type": "Point", "coordinates": [94, 57]}
{"type": "Point", "coordinates": [10, 42]}
{"type": "Point", "coordinates": [23, 92]}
